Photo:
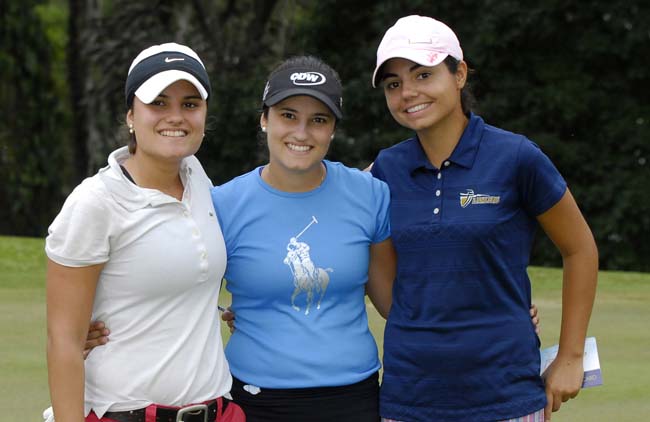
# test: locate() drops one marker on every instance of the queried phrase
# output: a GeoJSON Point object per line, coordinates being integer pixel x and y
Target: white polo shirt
{"type": "Point", "coordinates": [164, 261]}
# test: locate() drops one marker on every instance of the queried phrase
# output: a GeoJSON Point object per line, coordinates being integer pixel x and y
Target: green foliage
{"type": "Point", "coordinates": [220, 31]}
{"type": "Point", "coordinates": [569, 75]}
{"type": "Point", "coordinates": [34, 125]}
{"type": "Point", "coordinates": [577, 78]}
{"type": "Point", "coordinates": [54, 18]}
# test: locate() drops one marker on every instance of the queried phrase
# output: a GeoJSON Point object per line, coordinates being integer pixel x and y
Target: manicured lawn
{"type": "Point", "coordinates": [23, 375]}
{"type": "Point", "coordinates": [619, 323]}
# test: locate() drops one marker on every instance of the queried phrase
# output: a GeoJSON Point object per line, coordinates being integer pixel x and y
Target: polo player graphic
{"type": "Point", "coordinates": [307, 277]}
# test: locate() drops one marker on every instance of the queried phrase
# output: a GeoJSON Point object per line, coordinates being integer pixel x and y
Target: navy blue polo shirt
{"type": "Point", "coordinates": [459, 344]}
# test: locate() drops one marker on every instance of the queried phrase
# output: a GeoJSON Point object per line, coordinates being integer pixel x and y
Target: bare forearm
{"type": "Point", "coordinates": [381, 275]}
{"type": "Point", "coordinates": [569, 231]}
{"type": "Point", "coordinates": [381, 298]}
{"type": "Point", "coordinates": [66, 380]}
{"type": "Point", "coordinates": [578, 294]}
{"type": "Point", "coordinates": [70, 293]}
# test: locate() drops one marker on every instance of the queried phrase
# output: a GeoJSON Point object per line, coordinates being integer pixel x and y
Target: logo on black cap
{"type": "Point", "coordinates": [308, 78]}
{"type": "Point", "coordinates": [302, 80]}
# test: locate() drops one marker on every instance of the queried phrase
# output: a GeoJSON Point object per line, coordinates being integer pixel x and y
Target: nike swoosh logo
{"type": "Point", "coordinates": [168, 60]}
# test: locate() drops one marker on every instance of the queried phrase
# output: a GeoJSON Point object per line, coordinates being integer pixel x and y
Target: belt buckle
{"type": "Point", "coordinates": [192, 410]}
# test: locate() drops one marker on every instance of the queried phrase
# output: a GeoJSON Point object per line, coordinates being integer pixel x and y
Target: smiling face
{"type": "Point", "coordinates": [172, 126]}
{"type": "Point", "coordinates": [299, 131]}
{"type": "Point", "coordinates": [422, 98]}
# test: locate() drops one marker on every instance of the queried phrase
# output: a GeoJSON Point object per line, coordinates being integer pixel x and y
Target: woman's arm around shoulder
{"type": "Point", "coordinates": [568, 230]}
{"type": "Point", "coordinates": [381, 275]}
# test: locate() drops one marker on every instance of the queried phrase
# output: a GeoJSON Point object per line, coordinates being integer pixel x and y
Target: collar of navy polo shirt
{"type": "Point", "coordinates": [463, 154]}
{"type": "Point", "coordinates": [129, 195]}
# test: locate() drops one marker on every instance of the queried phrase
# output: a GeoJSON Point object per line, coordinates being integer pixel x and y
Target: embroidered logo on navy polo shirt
{"type": "Point", "coordinates": [470, 198]}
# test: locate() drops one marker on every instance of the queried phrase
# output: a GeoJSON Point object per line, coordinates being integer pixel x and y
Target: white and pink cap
{"type": "Point", "coordinates": [421, 39]}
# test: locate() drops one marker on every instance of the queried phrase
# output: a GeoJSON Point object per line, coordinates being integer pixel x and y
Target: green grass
{"type": "Point", "coordinates": [23, 373]}
{"type": "Point", "coordinates": [619, 323]}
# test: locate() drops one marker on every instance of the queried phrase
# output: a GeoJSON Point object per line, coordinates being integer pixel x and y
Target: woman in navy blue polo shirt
{"type": "Point", "coordinates": [466, 200]}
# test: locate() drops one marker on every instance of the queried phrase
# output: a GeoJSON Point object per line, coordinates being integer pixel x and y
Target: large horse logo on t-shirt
{"type": "Point", "coordinates": [307, 277]}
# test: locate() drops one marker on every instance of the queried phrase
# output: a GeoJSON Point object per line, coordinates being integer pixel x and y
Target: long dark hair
{"type": "Point", "coordinates": [467, 99]}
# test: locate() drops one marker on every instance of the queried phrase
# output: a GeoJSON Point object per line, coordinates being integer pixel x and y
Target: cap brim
{"type": "Point", "coordinates": [422, 57]}
{"type": "Point", "coordinates": [152, 87]}
{"type": "Point", "coordinates": [272, 100]}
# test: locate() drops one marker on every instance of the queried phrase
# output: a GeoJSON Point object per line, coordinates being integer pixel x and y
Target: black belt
{"type": "Point", "coordinates": [195, 413]}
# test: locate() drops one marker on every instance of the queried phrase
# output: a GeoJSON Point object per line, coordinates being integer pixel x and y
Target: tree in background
{"type": "Point", "coordinates": [574, 81]}
{"type": "Point", "coordinates": [572, 76]}
{"type": "Point", "coordinates": [234, 38]}
{"type": "Point", "coordinates": [64, 66]}
{"type": "Point", "coordinates": [35, 119]}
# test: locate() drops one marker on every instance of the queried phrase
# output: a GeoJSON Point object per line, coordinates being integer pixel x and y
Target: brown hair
{"type": "Point", "coordinates": [467, 99]}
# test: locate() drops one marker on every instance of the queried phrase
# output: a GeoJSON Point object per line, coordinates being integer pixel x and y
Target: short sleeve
{"type": "Point", "coordinates": [79, 235]}
{"type": "Point", "coordinates": [220, 200]}
{"type": "Point", "coordinates": [540, 184]}
{"type": "Point", "coordinates": [214, 193]}
{"type": "Point", "coordinates": [382, 201]}
{"type": "Point", "coordinates": [377, 168]}
{"type": "Point", "coordinates": [217, 193]}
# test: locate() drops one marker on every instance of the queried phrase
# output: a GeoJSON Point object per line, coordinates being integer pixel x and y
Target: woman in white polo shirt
{"type": "Point", "coordinates": [139, 246]}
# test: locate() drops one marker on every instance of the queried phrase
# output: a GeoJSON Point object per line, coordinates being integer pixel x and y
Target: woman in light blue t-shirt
{"type": "Point", "coordinates": [306, 238]}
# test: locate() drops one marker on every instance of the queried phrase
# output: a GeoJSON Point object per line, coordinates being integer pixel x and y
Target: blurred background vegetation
{"type": "Point", "coordinates": [571, 75]}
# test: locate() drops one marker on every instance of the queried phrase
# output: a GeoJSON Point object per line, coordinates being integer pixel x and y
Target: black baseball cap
{"type": "Point", "coordinates": [301, 80]}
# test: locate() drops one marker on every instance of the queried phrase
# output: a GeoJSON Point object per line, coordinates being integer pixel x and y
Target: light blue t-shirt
{"type": "Point", "coordinates": [297, 269]}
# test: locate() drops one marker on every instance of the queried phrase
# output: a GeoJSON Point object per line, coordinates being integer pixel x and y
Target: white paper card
{"type": "Point", "coordinates": [591, 363]}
